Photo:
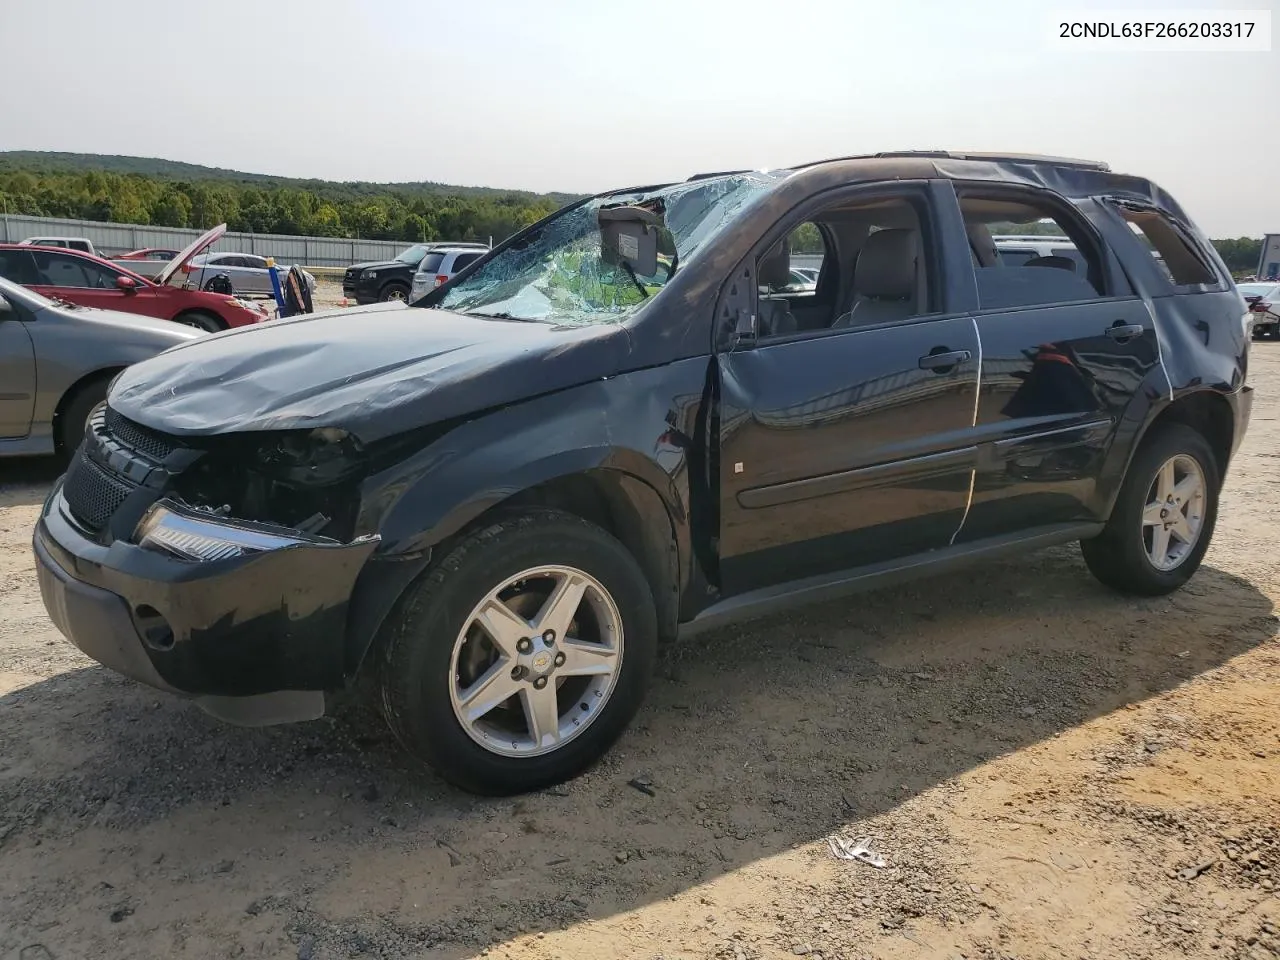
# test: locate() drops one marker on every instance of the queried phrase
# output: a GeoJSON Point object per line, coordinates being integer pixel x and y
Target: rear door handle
{"type": "Point", "coordinates": [940, 360]}
{"type": "Point", "coordinates": [1124, 331]}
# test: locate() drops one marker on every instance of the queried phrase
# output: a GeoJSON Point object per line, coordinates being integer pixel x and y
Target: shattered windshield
{"type": "Point", "coordinates": [558, 274]}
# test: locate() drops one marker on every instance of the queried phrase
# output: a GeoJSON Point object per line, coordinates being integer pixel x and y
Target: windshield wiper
{"type": "Point", "coordinates": [499, 316]}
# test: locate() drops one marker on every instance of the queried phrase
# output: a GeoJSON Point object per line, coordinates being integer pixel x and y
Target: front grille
{"type": "Point", "coordinates": [134, 435]}
{"type": "Point", "coordinates": [350, 277]}
{"type": "Point", "coordinates": [92, 494]}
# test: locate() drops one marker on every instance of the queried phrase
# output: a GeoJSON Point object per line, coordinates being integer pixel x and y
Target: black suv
{"type": "Point", "coordinates": [381, 280]}
{"type": "Point", "coordinates": [624, 425]}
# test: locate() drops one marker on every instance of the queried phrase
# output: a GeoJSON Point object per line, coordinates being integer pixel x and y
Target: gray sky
{"type": "Point", "coordinates": [582, 95]}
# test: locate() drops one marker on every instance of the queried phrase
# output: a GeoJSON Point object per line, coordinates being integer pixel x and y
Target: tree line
{"type": "Point", "coordinates": [367, 211]}
{"type": "Point", "coordinates": [170, 194]}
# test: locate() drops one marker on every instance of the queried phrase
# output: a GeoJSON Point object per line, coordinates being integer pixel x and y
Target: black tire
{"type": "Point", "coordinates": [1118, 557]}
{"type": "Point", "coordinates": [75, 414]}
{"type": "Point", "coordinates": [201, 321]}
{"type": "Point", "coordinates": [394, 291]}
{"type": "Point", "coordinates": [416, 657]}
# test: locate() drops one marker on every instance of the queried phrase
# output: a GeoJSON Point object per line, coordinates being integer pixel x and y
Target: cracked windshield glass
{"type": "Point", "coordinates": [557, 273]}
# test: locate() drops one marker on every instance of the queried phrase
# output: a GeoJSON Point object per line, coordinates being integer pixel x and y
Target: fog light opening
{"type": "Point", "coordinates": [155, 630]}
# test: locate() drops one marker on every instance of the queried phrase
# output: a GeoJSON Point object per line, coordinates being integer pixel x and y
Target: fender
{"type": "Point", "coordinates": [637, 425]}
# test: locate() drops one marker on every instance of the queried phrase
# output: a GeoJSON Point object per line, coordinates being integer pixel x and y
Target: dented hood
{"type": "Point", "coordinates": [374, 372]}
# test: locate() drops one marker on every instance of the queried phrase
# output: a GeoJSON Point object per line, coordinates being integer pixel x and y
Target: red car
{"type": "Point", "coordinates": [93, 282]}
{"type": "Point", "coordinates": [148, 253]}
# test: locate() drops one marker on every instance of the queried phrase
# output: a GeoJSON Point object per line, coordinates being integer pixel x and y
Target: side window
{"type": "Point", "coordinates": [80, 245]}
{"type": "Point", "coordinates": [1071, 272]}
{"type": "Point", "coordinates": [257, 263]}
{"type": "Point", "coordinates": [17, 266]}
{"type": "Point", "coordinates": [465, 259]}
{"type": "Point", "coordinates": [870, 268]}
{"type": "Point", "coordinates": [57, 270]}
{"type": "Point", "coordinates": [1182, 262]}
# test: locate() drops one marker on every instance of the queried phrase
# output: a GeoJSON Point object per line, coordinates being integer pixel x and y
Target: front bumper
{"type": "Point", "coordinates": [255, 638]}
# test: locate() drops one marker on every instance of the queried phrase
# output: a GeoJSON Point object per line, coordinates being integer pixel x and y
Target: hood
{"type": "Point", "coordinates": [374, 372]}
{"type": "Point", "coordinates": [372, 264]}
{"type": "Point", "coordinates": [199, 245]}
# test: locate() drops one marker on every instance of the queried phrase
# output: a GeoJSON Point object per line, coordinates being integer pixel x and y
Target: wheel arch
{"type": "Point", "coordinates": [1207, 412]}
{"type": "Point", "coordinates": [201, 311]}
{"type": "Point", "coordinates": [69, 395]}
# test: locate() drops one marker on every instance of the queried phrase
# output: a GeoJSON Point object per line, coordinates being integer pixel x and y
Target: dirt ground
{"type": "Point", "coordinates": [1036, 759]}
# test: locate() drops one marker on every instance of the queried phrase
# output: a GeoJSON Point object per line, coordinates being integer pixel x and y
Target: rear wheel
{"type": "Point", "coordinates": [394, 291]}
{"type": "Point", "coordinates": [75, 415]}
{"type": "Point", "coordinates": [1163, 518]}
{"type": "Point", "coordinates": [201, 321]}
{"type": "Point", "coordinates": [519, 659]}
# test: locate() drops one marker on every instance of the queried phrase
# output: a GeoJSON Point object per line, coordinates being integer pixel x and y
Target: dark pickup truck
{"type": "Point", "coordinates": [381, 281]}
{"type": "Point", "coordinates": [624, 425]}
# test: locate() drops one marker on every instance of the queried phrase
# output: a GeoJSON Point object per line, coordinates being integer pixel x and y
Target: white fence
{"type": "Point", "coordinates": [111, 239]}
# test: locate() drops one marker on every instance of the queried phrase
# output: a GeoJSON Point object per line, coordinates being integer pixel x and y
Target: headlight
{"type": "Point", "coordinates": [311, 457]}
{"type": "Point", "coordinates": [191, 537]}
{"type": "Point", "coordinates": [368, 274]}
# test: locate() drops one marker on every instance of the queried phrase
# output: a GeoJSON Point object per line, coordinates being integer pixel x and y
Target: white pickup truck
{"type": "Point", "coordinates": [82, 244]}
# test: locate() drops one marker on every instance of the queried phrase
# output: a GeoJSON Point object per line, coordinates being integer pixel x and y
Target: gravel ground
{"type": "Point", "coordinates": [1036, 759]}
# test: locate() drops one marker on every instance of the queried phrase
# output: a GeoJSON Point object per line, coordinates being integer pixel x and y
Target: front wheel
{"type": "Point", "coordinates": [1163, 518]}
{"type": "Point", "coordinates": [394, 291]}
{"type": "Point", "coordinates": [201, 321]}
{"type": "Point", "coordinates": [522, 655]}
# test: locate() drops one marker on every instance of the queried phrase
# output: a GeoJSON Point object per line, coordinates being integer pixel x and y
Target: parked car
{"type": "Point", "coordinates": [83, 244]}
{"type": "Point", "coordinates": [147, 262]}
{"type": "Point", "coordinates": [1264, 306]}
{"type": "Point", "coordinates": [56, 360]}
{"type": "Point", "coordinates": [161, 254]}
{"type": "Point", "coordinates": [437, 267]}
{"type": "Point", "coordinates": [247, 272]}
{"type": "Point", "coordinates": [381, 281]}
{"type": "Point", "coordinates": [498, 502]}
{"type": "Point", "coordinates": [1017, 250]}
{"type": "Point", "coordinates": [90, 281]}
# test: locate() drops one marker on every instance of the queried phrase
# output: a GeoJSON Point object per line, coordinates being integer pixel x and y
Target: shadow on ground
{"type": "Point", "coordinates": [755, 740]}
{"type": "Point", "coordinates": [27, 480]}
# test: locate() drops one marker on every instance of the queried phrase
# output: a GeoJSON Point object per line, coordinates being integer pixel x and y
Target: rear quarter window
{"type": "Point", "coordinates": [18, 266]}
{"type": "Point", "coordinates": [1180, 257]}
{"type": "Point", "coordinates": [430, 263]}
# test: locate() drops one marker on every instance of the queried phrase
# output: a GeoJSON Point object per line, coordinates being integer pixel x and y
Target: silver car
{"type": "Point", "coordinates": [247, 272]}
{"type": "Point", "coordinates": [439, 264]}
{"type": "Point", "coordinates": [56, 360]}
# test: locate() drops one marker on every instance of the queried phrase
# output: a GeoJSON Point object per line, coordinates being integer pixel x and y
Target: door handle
{"type": "Point", "coordinates": [1124, 331]}
{"type": "Point", "coordinates": [941, 360]}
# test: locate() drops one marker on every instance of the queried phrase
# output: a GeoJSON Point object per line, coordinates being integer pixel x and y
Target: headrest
{"type": "Point", "coordinates": [886, 268]}
{"type": "Point", "coordinates": [1062, 263]}
{"type": "Point", "coordinates": [774, 269]}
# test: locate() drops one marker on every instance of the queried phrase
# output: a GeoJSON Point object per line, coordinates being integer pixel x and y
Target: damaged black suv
{"type": "Point", "coordinates": [628, 422]}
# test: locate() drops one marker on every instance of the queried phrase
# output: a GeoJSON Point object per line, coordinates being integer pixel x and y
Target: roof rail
{"type": "Point", "coordinates": [959, 155]}
{"type": "Point", "coordinates": [1005, 157]}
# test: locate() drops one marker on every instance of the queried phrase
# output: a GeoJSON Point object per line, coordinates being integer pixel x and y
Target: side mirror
{"type": "Point", "coordinates": [127, 284]}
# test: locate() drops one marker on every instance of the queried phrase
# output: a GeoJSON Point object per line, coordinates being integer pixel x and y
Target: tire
{"type": "Point", "coordinates": [72, 419]}
{"type": "Point", "coordinates": [394, 291]}
{"type": "Point", "coordinates": [201, 321]}
{"type": "Point", "coordinates": [1121, 556]}
{"type": "Point", "coordinates": [421, 668]}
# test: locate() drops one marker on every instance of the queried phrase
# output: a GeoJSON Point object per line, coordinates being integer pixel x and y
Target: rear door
{"type": "Point", "coordinates": [1064, 351]}
{"type": "Point", "coordinates": [843, 445]}
{"type": "Point", "coordinates": [17, 356]}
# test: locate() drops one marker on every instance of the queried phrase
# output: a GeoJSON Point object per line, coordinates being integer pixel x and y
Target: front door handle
{"type": "Point", "coordinates": [942, 360]}
{"type": "Point", "coordinates": [1122, 331]}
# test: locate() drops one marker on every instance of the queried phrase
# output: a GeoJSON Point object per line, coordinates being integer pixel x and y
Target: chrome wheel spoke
{"type": "Point", "coordinates": [502, 625]}
{"type": "Point", "coordinates": [1186, 488]}
{"type": "Point", "coordinates": [1160, 545]}
{"type": "Point", "coordinates": [586, 659]}
{"type": "Point", "coordinates": [1153, 514]}
{"type": "Point", "coordinates": [1166, 481]}
{"type": "Point", "coordinates": [492, 690]}
{"type": "Point", "coordinates": [542, 714]}
{"type": "Point", "coordinates": [561, 607]}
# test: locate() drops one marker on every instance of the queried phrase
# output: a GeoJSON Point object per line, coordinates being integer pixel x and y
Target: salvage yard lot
{"type": "Point", "coordinates": [1036, 758]}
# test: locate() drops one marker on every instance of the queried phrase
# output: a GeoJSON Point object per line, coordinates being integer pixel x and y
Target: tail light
{"type": "Point", "coordinates": [1260, 306]}
{"type": "Point", "coordinates": [441, 278]}
{"type": "Point", "coordinates": [187, 268]}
